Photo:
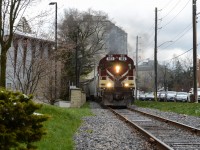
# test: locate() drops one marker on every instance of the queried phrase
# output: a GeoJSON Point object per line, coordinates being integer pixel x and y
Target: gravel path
{"type": "Point", "coordinates": [105, 132]}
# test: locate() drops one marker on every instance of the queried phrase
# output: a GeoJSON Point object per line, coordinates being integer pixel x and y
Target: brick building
{"type": "Point", "coordinates": [30, 65]}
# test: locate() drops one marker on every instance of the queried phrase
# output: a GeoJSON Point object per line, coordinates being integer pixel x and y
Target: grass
{"type": "Point", "coordinates": [61, 126]}
{"type": "Point", "coordinates": [192, 109]}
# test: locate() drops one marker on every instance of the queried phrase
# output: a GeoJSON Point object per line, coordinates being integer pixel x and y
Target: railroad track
{"type": "Point", "coordinates": [163, 133]}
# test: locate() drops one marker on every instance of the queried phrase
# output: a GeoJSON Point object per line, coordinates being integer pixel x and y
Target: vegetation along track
{"type": "Point", "coordinates": [164, 133]}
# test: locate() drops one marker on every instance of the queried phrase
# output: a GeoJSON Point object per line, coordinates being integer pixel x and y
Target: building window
{"type": "Point", "coordinates": [8, 86]}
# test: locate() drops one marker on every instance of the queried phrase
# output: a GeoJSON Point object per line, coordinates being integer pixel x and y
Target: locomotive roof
{"type": "Point", "coordinates": [116, 57]}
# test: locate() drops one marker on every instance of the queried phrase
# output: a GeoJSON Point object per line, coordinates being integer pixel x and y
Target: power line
{"type": "Point", "coordinates": [176, 15]}
{"type": "Point", "coordinates": [178, 38]}
{"type": "Point", "coordinates": [181, 54]}
{"type": "Point", "coordinates": [172, 9]}
{"type": "Point", "coordinates": [181, 35]}
{"type": "Point", "coordinates": [166, 5]}
{"type": "Point", "coordinates": [184, 30]}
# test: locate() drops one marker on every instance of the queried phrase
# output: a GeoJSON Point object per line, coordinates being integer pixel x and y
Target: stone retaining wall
{"type": "Point", "coordinates": [77, 97]}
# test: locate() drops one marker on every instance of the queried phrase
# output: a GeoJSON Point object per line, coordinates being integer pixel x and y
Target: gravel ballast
{"type": "Point", "coordinates": [104, 131]}
{"type": "Point", "coordinates": [182, 118]}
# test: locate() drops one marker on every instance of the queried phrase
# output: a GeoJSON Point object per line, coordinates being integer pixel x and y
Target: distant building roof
{"type": "Point", "coordinates": [33, 36]}
{"type": "Point", "coordinates": [28, 35]}
{"type": "Point", "coordinates": [146, 66]}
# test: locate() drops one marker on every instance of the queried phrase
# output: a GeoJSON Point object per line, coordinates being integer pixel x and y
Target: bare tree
{"type": "Point", "coordinates": [10, 10]}
{"type": "Point", "coordinates": [187, 64]}
{"type": "Point", "coordinates": [180, 74]}
{"type": "Point", "coordinates": [29, 67]}
{"type": "Point", "coordinates": [164, 75]}
{"type": "Point", "coordinates": [84, 32]}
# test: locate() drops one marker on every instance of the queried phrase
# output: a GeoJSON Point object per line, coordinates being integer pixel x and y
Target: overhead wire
{"type": "Point", "coordinates": [150, 43]}
{"type": "Point", "coordinates": [172, 8]}
{"type": "Point", "coordinates": [182, 33]}
{"type": "Point", "coordinates": [181, 54]}
{"type": "Point", "coordinates": [165, 6]}
{"type": "Point", "coordinates": [176, 41]}
{"type": "Point", "coordinates": [176, 14]}
{"type": "Point", "coordinates": [177, 38]}
{"type": "Point", "coordinates": [152, 27]}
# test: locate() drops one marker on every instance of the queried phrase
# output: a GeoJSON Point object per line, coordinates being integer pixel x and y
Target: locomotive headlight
{"type": "Point", "coordinates": [109, 84]}
{"type": "Point", "coordinates": [117, 68]}
{"type": "Point", "coordinates": [126, 84]}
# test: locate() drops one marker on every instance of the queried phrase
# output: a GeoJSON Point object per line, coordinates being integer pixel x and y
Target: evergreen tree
{"type": "Point", "coordinates": [18, 123]}
{"type": "Point", "coordinates": [178, 76]}
{"type": "Point", "coordinates": [24, 26]}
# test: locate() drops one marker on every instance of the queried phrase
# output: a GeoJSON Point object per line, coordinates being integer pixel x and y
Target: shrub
{"type": "Point", "coordinates": [19, 126]}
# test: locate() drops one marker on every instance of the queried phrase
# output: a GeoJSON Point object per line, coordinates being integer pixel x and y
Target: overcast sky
{"type": "Point", "coordinates": [137, 18]}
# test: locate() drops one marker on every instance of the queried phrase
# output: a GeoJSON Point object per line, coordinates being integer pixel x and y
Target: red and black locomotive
{"type": "Point", "coordinates": [116, 80]}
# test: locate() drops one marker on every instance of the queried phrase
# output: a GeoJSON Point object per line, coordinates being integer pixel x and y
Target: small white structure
{"type": "Point", "coordinates": [66, 104]}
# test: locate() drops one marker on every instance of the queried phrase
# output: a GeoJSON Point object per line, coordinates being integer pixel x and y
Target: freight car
{"type": "Point", "coordinates": [116, 80]}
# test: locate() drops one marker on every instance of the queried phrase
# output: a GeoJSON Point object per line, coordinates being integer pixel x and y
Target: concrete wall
{"type": "Point", "coordinates": [77, 97]}
{"type": "Point", "coordinates": [65, 104]}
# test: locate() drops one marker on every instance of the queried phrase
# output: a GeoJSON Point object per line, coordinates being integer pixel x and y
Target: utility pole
{"type": "Point", "coordinates": [56, 48]}
{"type": "Point", "coordinates": [194, 50]}
{"type": "Point", "coordinates": [76, 62]}
{"type": "Point", "coordinates": [56, 11]}
{"type": "Point", "coordinates": [136, 77]}
{"type": "Point", "coordinates": [155, 56]}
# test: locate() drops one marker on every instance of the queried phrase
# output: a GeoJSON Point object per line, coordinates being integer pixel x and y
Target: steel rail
{"type": "Point", "coordinates": [152, 139]}
{"type": "Point", "coordinates": [183, 126]}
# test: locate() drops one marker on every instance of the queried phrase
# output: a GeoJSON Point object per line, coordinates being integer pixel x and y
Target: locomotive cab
{"type": "Point", "coordinates": [116, 80]}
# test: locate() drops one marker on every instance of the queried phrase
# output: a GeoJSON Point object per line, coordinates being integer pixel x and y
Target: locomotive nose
{"type": "Point", "coordinates": [118, 96]}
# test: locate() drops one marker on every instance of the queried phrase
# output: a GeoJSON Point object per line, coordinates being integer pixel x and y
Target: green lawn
{"type": "Point", "coordinates": [178, 107]}
{"type": "Point", "coordinates": [61, 126]}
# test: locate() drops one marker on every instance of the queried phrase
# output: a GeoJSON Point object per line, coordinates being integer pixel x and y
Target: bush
{"type": "Point", "coordinates": [19, 126]}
